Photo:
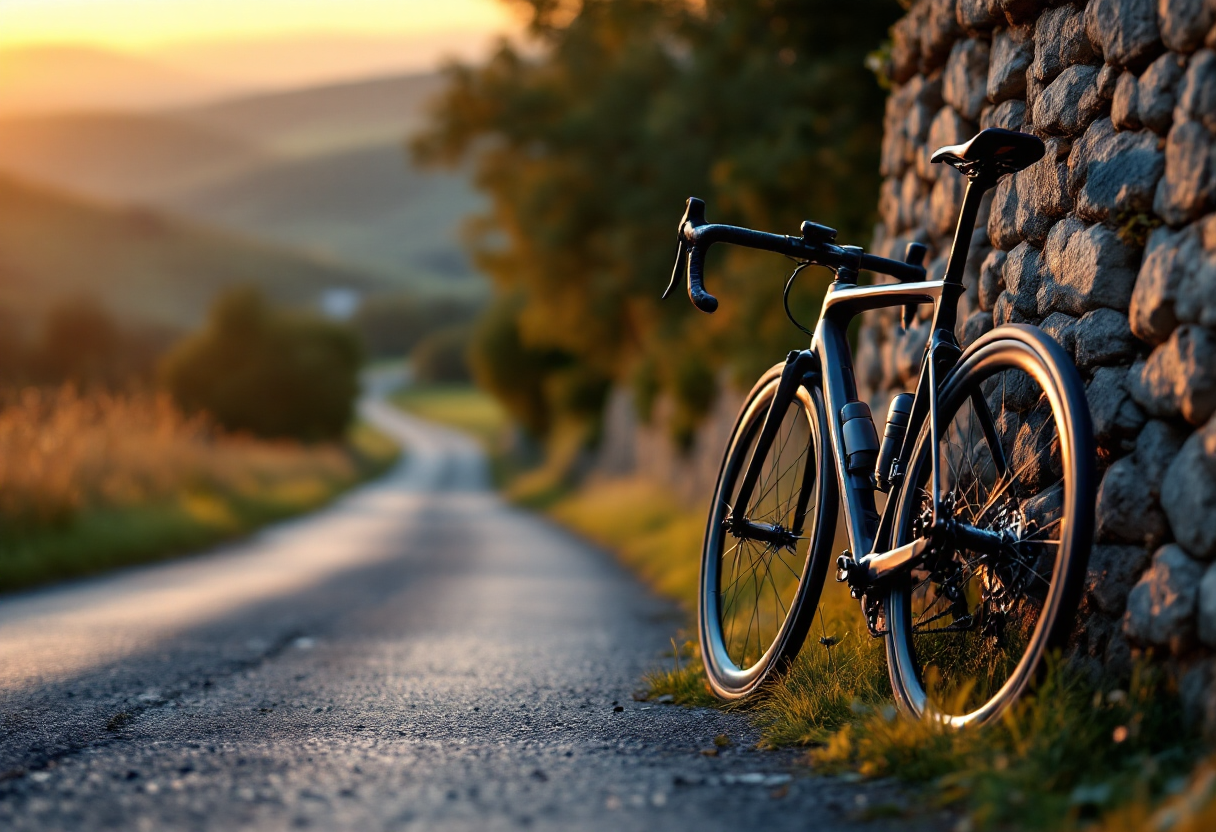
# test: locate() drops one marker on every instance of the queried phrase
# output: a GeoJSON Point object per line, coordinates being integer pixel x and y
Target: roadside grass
{"type": "Point", "coordinates": [461, 406]}
{"type": "Point", "coordinates": [94, 482]}
{"type": "Point", "coordinates": [1069, 756]}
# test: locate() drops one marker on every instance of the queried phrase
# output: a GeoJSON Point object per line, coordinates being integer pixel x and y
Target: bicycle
{"type": "Point", "coordinates": [974, 568]}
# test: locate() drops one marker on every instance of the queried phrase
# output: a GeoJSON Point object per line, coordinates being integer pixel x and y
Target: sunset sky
{"type": "Point", "coordinates": [136, 25]}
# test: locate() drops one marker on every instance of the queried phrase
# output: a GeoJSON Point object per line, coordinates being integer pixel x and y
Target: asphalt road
{"type": "Point", "coordinates": [417, 656]}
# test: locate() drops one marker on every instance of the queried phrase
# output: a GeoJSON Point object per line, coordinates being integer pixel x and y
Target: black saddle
{"type": "Point", "coordinates": [993, 152]}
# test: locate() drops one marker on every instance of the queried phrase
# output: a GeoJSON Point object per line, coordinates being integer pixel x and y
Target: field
{"type": "Point", "coordinates": [92, 482]}
{"type": "Point", "coordinates": [461, 406]}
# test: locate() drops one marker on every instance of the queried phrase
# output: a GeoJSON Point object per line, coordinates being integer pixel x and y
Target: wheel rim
{"type": "Point", "coordinates": [969, 634]}
{"type": "Point", "coordinates": [752, 592]}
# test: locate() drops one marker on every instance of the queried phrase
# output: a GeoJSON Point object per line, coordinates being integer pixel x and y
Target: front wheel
{"type": "Point", "coordinates": [969, 630]}
{"type": "Point", "coordinates": [757, 598]}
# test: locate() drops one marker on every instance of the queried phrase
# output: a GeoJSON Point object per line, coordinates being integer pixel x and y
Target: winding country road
{"type": "Point", "coordinates": [419, 655]}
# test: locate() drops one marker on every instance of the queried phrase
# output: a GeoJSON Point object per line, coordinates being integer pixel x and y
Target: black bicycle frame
{"type": "Point", "coordinates": [829, 362]}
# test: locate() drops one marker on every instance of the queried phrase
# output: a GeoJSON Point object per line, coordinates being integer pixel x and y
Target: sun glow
{"type": "Point", "coordinates": [135, 25]}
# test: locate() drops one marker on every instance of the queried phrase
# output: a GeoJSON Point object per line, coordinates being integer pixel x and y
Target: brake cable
{"type": "Point", "coordinates": [785, 297]}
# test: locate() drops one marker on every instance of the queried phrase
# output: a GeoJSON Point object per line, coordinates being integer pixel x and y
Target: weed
{"type": "Point", "coordinates": [90, 482]}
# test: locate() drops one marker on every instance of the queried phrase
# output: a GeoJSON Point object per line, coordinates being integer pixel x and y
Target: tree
{"type": "Point", "coordinates": [588, 143]}
{"type": "Point", "coordinates": [266, 372]}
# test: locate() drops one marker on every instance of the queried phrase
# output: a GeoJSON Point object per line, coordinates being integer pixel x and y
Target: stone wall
{"type": "Point", "coordinates": [1108, 244]}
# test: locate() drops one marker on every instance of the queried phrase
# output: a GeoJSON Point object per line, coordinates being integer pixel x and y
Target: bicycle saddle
{"type": "Point", "coordinates": [993, 151]}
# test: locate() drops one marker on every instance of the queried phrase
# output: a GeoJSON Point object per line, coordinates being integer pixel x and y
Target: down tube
{"type": "Point", "coordinates": [840, 388]}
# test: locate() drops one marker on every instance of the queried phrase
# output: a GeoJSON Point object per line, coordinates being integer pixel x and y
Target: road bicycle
{"type": "Point", "coordinates": [973, 570]}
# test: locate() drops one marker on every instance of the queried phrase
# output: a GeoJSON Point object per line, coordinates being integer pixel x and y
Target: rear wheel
{"type": "Point", "coordinates": [757, 599]}
{"type": "Point", "coordinates": [969, 629]}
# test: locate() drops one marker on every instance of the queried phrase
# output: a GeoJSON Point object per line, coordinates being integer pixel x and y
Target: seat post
{"type": "Point", "coordinates": [977, 186]}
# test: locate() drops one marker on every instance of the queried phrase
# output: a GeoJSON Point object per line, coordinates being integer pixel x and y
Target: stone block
{"type": "Point", "coordinates": [1043, 194]}
{"type": "Point", "coordinates": [1115, 173]}
{"type": "Point", "coordinates": [1157, 445]}
{"type": "Point", "coordinates": [1188, 493]}
{"type": "Point", "coordinates": [1127, 510]}
{"type": "Point", "coordinates": [1003, 229]}
{"type": "Point", "coordinates": [979, 15]}
{"type": "Point", "coordinates": [1115, 416]}
{"type": "Point", "coordinates": [1022, 277]}
{"type": "Point", "coordinates": [965, 79]}
{"type": "Point", "coordinates": [905, 44]}
{"type": "Point", "coordinates": [888, 205]}
{"type": "Point", "coordinates": [1156, 92]}
{"type": "Point", "coordinates": [1188, 187]}
{"type": "Point", "coordinates": [1124, 32]}
{"type": "Point", "coordinates": [1091, 265]}
{"type": "Point", "coordinates": [977, 324]}
{"type": "Point", "coordinates": [1206, 611]}
{"type": "Point", "coordinates": [1184, 23]}
{"type": "Point", "coordinates": [909, 349]}
{"type": "Point", "coordinates": [1011, 55]}
{"type": "Point", "coordinates": [1008, 115]}
{"type": "Point", "coordinates": [1197, 91]}
{"type": "Point", "coordinates": [1005, 312]}
{"type": "Point", "coordinates": [1104, 337]}
{"type": "Point", "coordinates": [1179, 377]}
{"type": "Point", "coordinates": [1062, 329]}
{"type": "Point", "coordinates": [992, 279]}
{"type": "Point", "coordinates": [1070, 102]}
{"type": "Point", "coordinates": [1196, 300]}
{"type": "Point", "coordinates": [1162, 606]}
{"type": "Point", "coordinates": [1123, 110]}
{"type": "Point", "coordinates": [1113, 571]}
{"type": "Point", "coordinates": [945, 200]}
{"type": "Point", "coordinates": [1168, 258]}
{"type": "Point", "coordinates": [938, 33]}
{"type": "Point", "coordinates": [1060, 42]}
{"type": "Point", "coordinates": [1023, 11]}
{"type": "Point", "coordinates": [911, 191]}
{"type": "Point", "coordinates": [947, 127]}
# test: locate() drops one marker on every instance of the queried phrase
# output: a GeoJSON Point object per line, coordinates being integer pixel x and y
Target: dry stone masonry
{"type": "Point", "coordinates": [1108, 244]}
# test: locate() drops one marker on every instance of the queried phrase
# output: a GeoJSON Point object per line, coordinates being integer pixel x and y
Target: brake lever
{"type": "Point", "coordinates": [681, 251]}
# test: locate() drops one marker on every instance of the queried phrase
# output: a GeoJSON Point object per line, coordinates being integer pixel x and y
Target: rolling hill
{"type": "Point", "coordinates": [324, 118]}
{"type": "Point", "coordinates": [363, 206]}
{"type": "Point", "coordinates": [122, 157]}
{"type": "Point", "coordinates": [56, 79]}
{"type": "Point", "coordinates": [144, 266]}
{"type": "Point", "coordinates": [322, 169]}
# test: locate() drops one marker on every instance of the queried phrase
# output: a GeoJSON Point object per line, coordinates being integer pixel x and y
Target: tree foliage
{"type": "Point", "coordinates": [588, 139]}
{"type": "Point", "coordinates": [270, 373]}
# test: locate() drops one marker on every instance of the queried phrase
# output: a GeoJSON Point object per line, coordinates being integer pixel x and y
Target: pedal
{"type": "Point", "coordinates": [843, 564]}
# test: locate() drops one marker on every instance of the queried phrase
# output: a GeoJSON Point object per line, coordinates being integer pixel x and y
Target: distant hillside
{"type": "Point", "coordinates": [322, 119]}
{"type": "Point", "coordinates": [64, 78]}
{"type": "Point", "coordinates": [364, 206]}
{"type": "Point", "coordinates": [143, 266]}
{"type": "Point", "coordinates": [322, 169]}
{"type": "Point", "coordinates": [121, 157]}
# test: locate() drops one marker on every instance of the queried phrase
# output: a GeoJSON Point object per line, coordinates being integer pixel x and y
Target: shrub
{"type": "Point", "coordinates": [266, 372]}
{"type": "Point", "coordinates": [443, 356]}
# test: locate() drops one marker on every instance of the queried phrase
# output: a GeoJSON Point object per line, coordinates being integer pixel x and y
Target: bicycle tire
{"type": "Point", "coordinates": [968, 659]}
{"type": "Point", "coordinates": [728, 670]}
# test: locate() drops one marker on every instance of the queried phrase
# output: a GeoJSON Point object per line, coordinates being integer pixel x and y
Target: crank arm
{"type": "Point", "coordinates": [880, 565]}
